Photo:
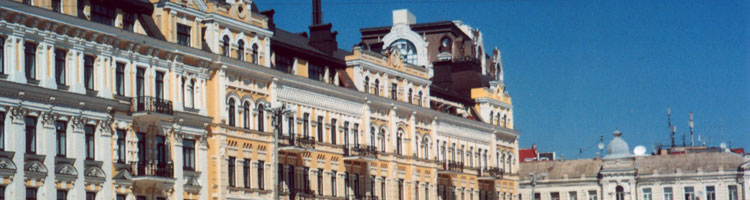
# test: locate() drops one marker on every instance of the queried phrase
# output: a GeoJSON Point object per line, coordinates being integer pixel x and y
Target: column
{"type": "Point", "coordinates": [178, 164]}
{"type": "Point", "coordinates": [46, 146]}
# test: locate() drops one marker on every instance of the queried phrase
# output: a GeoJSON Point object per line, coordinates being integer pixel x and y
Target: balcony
{"type": "Point", "coordinates": [358, 152]}
{"type": "Point", "coordinates": [150, 173]}
{"type": "Point", "coordinates": [296, 144]}
{"type": "Point", "coordinates": [491, 173]}
{"type": "Point", "coordinates": [151, 108]}
{"type": "Point", "coordinates": [451, 167]}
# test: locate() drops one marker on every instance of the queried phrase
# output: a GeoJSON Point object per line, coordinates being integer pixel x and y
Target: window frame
{"type": "Point", "coordinates": [29, 50]}
{"type": "Point", "coordinates": [188, 151]}
{"type": "Point", "coordinates": [60, 67]}
{"type": "Point", "coordinates": [121, 145]}
{"type": "Point", "coordinates": [30, 124]}
{"type": "Point", "coordinates": [88, 72]}
{"type": "Point", "coordinates": [183, 34]}
{"type": "Point", "coordinates": [60, 138]}
{"type": "Point", "coordinates": [90, 142]}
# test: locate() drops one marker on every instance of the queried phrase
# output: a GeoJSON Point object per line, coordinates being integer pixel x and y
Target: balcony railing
{"type": "Point", "coordinates": [307, 142]}
{"type": "Point", "coordinates": [361, 151]}
{"type": "Point", "coordinates": [452, 166]}
{"type": "Point", "coordinates": [152, 104]}
{"type": "Point", "coordinates": [492, 172]}
{"type": "Point", "coordinates": [165, 170]}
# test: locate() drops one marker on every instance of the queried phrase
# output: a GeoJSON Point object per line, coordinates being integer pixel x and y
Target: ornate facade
{"type": "Point", "coordinates": [207, 99]}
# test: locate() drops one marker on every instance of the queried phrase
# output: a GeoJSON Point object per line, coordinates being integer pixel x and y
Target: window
{"type": "Point", "coordinates": [128, 20]}
{"type": "Point", "coordinates": [225, 46]}
{"type": "Point", "coordinates": [89, 132]}
{"type": "Point", "coordinates": [410, 98]}
{"type": "Point", "coordinates": [426, 192]}
{"type": "Point", "coordinates": [732, 192]}
{"type": "Point", "coordinates": [30, 135]}
{"type": "Point", "coordinates": [230, 171]}
{"type": "Point", "coordinates": [27, 2]}
{"type": "Point", "coordinates": [2, 132]}
{"type": "Point", "coordinates": [60, 66]}
{"type": "Point", "coordinates": [445, 44]}
{"type": "Point", "coordinates": [394, 92]}
{"type": "Point", "coordinates": [399, 137]}
{"type": "Point", "coordinates": [366, 88]}
{"type": "Point", "coordinates": [261, 175]}
{"type": "Point", "coordinates": [255, 54]}
{"type": "Point", "coordinates": [88, 72]}
{"type": "Point", "coordinates": [377, 87]}
{"type": "Point", "coordinates": [355, 132]}
{"type": "Point", "coordinates": [382, 188]}
{"type": "Point", "coordinates": [283, 63]}
{"type": "Point", "coordinates": [290, 126]}
{"type": "Point", "coordinates": [261, 109]}
{"type": "Point", "coordinates": [400, 189]}
{"type": "Point", "coordinates": [121, 197]}
{"type": "Point", "coordinates": [159, 86]}
{"type": "Point", "coordinates": [246, 115]}
{"type": "Point", "coordinates": [668, 193]}
{"type": "Point", "coordinates": [189, 99]}
{"type": "Point", "coordinates": [120, 78]}
{"type": "Point", "coordinates": [320, 181]}
{"type": "Point", "coordinates": [306, 180]}
{"type": "Point", "coordinates": [188, 154]}
{"type": "Point", "coordinates": [592, 195]}
{"type": "Point", "coordinates": [646, 194]}
{"type": "Point", "coordinates": [62, 194]}
{"type": "Point", "coordinates": [554, 196]}
{"type": "Point", "coordinates": [60, 128]}
{"type": "Point", "coordinates": [30, 60]}
{"type": "Point", "coordinates": [102, 13]}
{"type": "Point", "coordinates": [315, 72]}
{"type": "Point", "coordinates": [619, 193]}
{"type": "Point", "coordinates": [419, 98]}
{"type": "Point", "coordinates": [305, 124]}
{"type": "Point", "coordinates": [139, 82]}
{"type": "Point", "coordinates": [416, 190]}
{"type": "Point", "coordinates": [31, 193]}
{"type": "Point", "coordinates": [320, 128]}
{"type": "Point", "coordinates": [333, 183]}
{"type": "Point", "coordinates": [333, 131]}
{"type": "Point", "coordinates": [689, 193]}
{"type": "Point", "coordinates": [290, 175]}
{"type": "Point", "coordinates": [241, 50]}
{"type": "Point", "coordinates": [406, 50]}
{"type": "Point", "coordinates": [537, 196]}
{"type": "Point", "coordinates": [230, 113]}
{"type": "Point", "coordinates": [2, 55]}
{"type": "Point", "coordinates": [121, 149]}
{"type": "Point", "coordinates": [161, 151]}
{"type": "Point", "coordinates": [246, 173]}
{"type": "Point", "coordinates": [710, 193]}
{"type": "Point", "coordinates": [141, 147]}
{"type": "Point", "coordinates": [347, 187]}
{"type": "Point", "coordinates": [346, 133]}
{"type": "Point", "coordinates": [183, 34]}
{"type": "Point", "coordinates": [90, 196]}
{"type": "Point", "coordinates": [381, 138]}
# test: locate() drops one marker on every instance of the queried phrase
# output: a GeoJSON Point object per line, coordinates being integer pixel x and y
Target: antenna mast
{"type": "Point", "coordinates": [669, 124]}
{"type": "Point", "coordinates": [690, 123]}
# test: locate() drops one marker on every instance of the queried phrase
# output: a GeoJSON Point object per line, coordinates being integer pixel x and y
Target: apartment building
{"type": "Point", "coordinates": [208, 99]}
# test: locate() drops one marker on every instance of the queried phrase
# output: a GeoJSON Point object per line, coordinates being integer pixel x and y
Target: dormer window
{"type": "Point", "coordinates": [183, 34]}
{"type": "Point", "coordinates": [445, 45]}
{"type": "Point", "coordinates": [406, 50]}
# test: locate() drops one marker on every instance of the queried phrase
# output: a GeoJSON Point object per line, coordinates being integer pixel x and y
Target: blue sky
{"type": "Point", "coordinates": [578, 70]}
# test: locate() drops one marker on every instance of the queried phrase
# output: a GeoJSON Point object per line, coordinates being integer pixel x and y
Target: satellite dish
{"type": "Point", "coordinates": [639, 150]}
{"type": "Point", "coordinates": [723, 145]}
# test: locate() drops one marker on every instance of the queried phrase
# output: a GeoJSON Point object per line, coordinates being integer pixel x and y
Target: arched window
{"type": "Point", "coordinates": [426, 146]}
{"type": "Point", "coordinates": [372, 136]}
{"type": "Point", "coordinates": [381, 139]}
{"type": "Point", "coordinates": [231, 112]}
{"type": "Point", "coordinates": [398, 141]}
{"type": "Point", "coordinates": [366, 89]}
{"type": "Point", "coordinates": [241, 50]}
{"type": "Point", "coordinates": [410, 97]}
{"type": "Point", "coordinates": [416, 147]}
{"type": "Point", "coordinates": [377, 87]}
{"type": "Point", "coordinates": [225, 46]}
{"type": "Point", "coordinates": [452, 151]}
{"type": "Point", "coordinates": [461, 154]}
{"type": "Point", "coordinates": [419, 98]}
{"type": "Point", "coordinates": [492, 118]}
{"type": "Point", "coordinates": [255, 54]}
{"type": "Point", "coordinates": [189, 96]}
{"type": "Point", "coordinates": [406, 50]}
{"type": "Point", "coordinates": [619, 193]}
{"type": "Point", "coordinates": [471, 158]}
{"type": "Point", "coordinates": [445, 45]}
{"type": "Point", "coordinates": [246, 115]}
{"type": "Point", "coordinates": [505, 121]}
{"type": "Point", "coordinates": [261, 110]}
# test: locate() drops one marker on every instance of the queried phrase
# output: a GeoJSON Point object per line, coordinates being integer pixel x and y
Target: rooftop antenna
{"type": "Point", "coordinates": [683, 139]}
{"type": "Point", "coordinates": [690, 123]}
{"type": "Point", "coordinates": [669, 124]}
{"type": "Point", "coordinates": [601, 146]}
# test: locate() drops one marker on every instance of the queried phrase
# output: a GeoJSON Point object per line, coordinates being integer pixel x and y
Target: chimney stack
{"type": "Point", "coordinates": [321, 36]}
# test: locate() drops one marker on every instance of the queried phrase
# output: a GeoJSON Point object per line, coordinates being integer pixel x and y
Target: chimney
{"type": "Point", "coordinates": [269, 15]}
{"type": "Point", "coordinates": [403, 16]}
{"type": "Point", "coordinates": [321, 37]}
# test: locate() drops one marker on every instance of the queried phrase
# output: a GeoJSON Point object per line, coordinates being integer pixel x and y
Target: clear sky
{"type": "Point", "coordinates": [579, 70]}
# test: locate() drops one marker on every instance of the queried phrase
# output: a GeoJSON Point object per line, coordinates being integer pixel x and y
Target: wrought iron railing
{"type": "Point", "coordinates": [300, 141]}
{"type": "Point", "coordinates": [452, 166]}
{"type": "Point", "coordinates": [361, 150]}
{"type": "Point", "coordinates": [153, 169]}
{"type": "Point", "coordinates": [492, 171]}
{"type": "Point", "coordinates": [152, 104]}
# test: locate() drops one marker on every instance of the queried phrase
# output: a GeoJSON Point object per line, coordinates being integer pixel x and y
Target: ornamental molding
{"type": "Point", "coordinates": [35, 166]}
{"type": "Point", "coordinates": [7, 163]}
{"type": "Point", "coordinates": [94, 171]}
{"type": "Point", "coordinates": [319, 101]}
{"type": "Point", "coordinates": [66, 169]}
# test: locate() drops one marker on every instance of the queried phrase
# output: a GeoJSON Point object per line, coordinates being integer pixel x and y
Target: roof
{"type": "Point", "coordinates": [691, 162]}
{"type": "Point", "coordinates": [559, 169]}
{"type": "Point", "coordinates": [417, 27]}
{"type": "Point", "coordinates": [523, 154]}
{"type": "Point", "coordinates": [301, 42]}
